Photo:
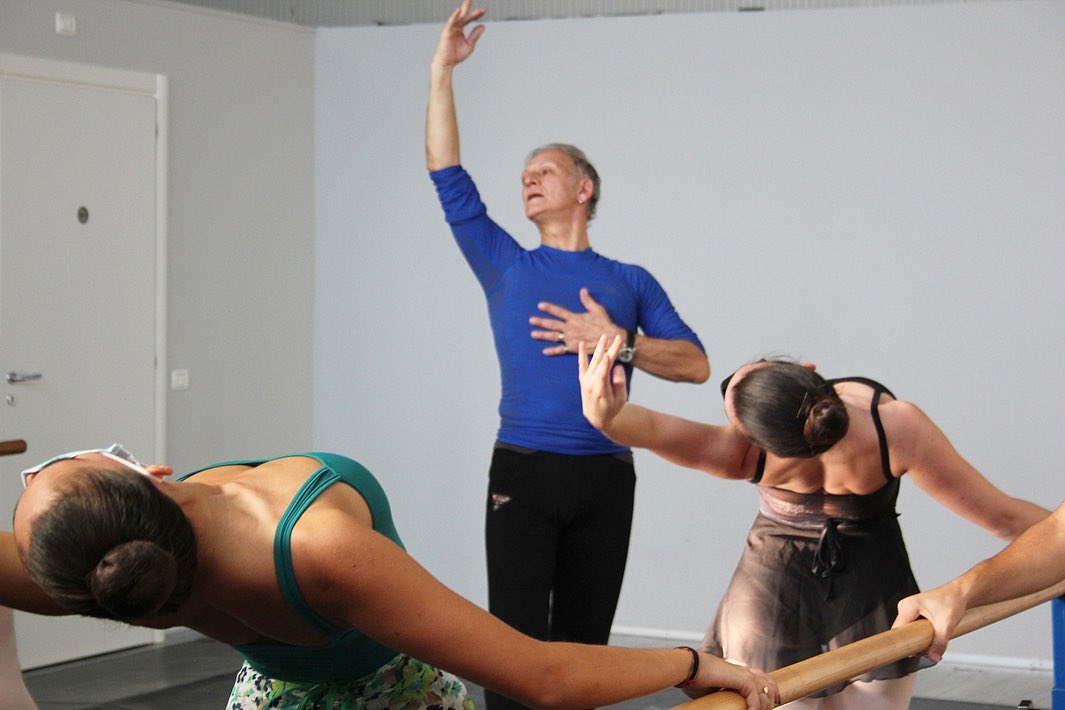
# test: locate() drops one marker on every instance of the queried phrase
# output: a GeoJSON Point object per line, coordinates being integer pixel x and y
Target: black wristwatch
{"type": "Point", "coordinates": [627, 352]}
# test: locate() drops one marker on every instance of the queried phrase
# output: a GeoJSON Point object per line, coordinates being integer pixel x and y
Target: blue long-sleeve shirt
{"type": "Point", "coordinates": [540, 407]}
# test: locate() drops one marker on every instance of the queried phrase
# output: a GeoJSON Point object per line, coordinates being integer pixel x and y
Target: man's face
{"type": "Point", "coordinates": [550, 184]}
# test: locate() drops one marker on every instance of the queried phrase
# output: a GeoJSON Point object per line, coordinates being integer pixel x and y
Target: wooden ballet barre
{"type": "Point", "coordinates": [814, 674]}
{"type": "Point", "coordinates": [14, 446]}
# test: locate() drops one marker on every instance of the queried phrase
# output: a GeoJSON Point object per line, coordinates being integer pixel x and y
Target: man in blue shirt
{"type": "Point", "coordinates": [560, 497]}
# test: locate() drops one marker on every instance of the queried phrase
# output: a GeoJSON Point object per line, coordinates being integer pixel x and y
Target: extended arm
{"type": "Point", "coordinates": [441, 123]}
{"type": "Point", "coordinates": [386, 594]}
{"type": "Point", "coordinates": [1032, 562]}
{"type": "Point", "coordinates": [17, 590]}
{"type": "Point", "coordinates": [934, 464]}
{"type": "Point", "coordinates": [718, 450]}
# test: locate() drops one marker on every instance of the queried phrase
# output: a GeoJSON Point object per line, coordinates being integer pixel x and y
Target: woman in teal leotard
{"type": "Point", "coordinates": [295, 562]}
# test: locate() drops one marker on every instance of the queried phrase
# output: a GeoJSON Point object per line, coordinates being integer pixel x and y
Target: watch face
{"type": "Point", "coordinates": [625, 354]}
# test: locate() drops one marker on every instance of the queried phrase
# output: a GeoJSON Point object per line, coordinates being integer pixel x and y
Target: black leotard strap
{"type": "Point", "coordinates": [864, 381]}
{"type": "Point", "coordinates": [874, 412]}
{"type": "Point", "coordinates": [760, 469]}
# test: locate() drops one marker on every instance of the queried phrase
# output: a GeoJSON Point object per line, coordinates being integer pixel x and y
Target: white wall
{"type": "Point", "coordinates": [241, 228]}
{"type": "Point", "coordinates": [878, 190]}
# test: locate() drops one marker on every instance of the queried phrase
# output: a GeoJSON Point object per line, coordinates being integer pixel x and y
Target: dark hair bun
{"type": "Point", "coordinates": [134, 579]}
{"type": "Point", "coordinates": [789, 410]}
{"type": "Point", "coordinates": [826, 423]}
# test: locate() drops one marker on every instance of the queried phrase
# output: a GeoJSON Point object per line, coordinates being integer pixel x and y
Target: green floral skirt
{"type": "Point", "coordinates": [404, 683]}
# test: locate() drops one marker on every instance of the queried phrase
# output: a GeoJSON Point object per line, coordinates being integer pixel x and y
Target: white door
{"type": "Point", "coordinates": [77, 299]}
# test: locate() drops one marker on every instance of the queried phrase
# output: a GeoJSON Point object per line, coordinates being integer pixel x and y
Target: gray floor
{"type": "Point", "coordinates": [198, 674]}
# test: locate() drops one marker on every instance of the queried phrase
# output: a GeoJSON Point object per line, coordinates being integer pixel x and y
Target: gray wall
{"type": "Point", "coordinates": [879, 190]}
{"type": "Point", "coordinates": [241, 230]}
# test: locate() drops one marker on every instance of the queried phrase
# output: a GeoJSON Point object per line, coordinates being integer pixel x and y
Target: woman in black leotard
{"type": "Point", "coordinates": [825, 563]}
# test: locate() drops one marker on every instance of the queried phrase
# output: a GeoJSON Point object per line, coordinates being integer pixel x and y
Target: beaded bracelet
{"type": "Point", "coordinates": [694, 670]}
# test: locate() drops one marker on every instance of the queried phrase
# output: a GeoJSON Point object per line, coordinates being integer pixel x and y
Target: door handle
{"type": "Point", "coordinates": [13, 377]}
{"type": "Point", "coordinates": [14, 446]}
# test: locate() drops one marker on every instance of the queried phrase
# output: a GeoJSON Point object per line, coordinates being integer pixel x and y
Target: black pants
{"type": "Point", "coordinates": [557, 537]}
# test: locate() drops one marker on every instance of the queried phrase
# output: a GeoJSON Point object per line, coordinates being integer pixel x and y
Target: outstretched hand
{"type": "Point", "coordinates": [569, 329]}
{"type": "Point", "coordinates": [943, 606]}
{"type": "Point", "coordinates": [455, 45]}
{"type": "Point", "coordinates": [603, 392]}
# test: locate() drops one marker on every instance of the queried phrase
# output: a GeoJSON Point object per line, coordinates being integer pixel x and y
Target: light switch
{"type": "Point", "coordinates": [65, 24]}
{"type": "Point", "coordinates": [179, 379]}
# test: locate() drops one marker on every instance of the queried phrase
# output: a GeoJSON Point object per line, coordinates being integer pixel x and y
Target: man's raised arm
{"type": "Point", "coordinates": [441, 123]}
